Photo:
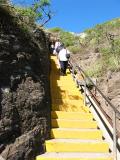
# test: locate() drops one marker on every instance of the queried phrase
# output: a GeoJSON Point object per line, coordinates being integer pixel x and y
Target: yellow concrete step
{"type": "Point", "coordinates": [63, 123]}
{"type": "Point", "coordinates": [69, 99]}
{"type": "Point", "coordinates": [56, 77]}
{"type": "Point", "coordinates": [66, 96]}
{"type": "Point", "coordinates": [63, 78]}
{"type": "Point", "coordinates": [76, 145]}
{"type": "Point", "coordinates": [68, 133]}
{"type": "Point", "coordinates": [56, 68]}
{"type": "Point", "coordinates": [71, 115]}
{"type": "Point", "coordinates": [74, 103]}
{"type": "Point", "coordinates": [77, 126]}
{"type": "Point", "coordinates": [56, 87]}
{"type": "Point", "coordinates": [70, 108]}
{"type": "Point", "coordinates": [63, 82]}
{"type": "Point", "coordinates": [66, 88]}
{"type": "Point", "coordinates": [74, 156]}
{"type": "Point", "coordinates": [67, 92]}
{"type": "Point", "coordinates": [59, 95]}
{"type": "Point", "coordinates": [61, 85]}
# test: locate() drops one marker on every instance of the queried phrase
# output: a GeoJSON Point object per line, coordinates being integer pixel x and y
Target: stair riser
{"type": "Point", "coordinates": [63, 84]}
{"type": "Point", "coordinates": [76, 134]}
{"type": "Point", "coordinates": [44, 158]}
{"type": "Point", "coordinates": [79, 147]}
{"type": "Point", "coordinates": [67, 115]}
{"type": "Point", "coordinates": [72, 124]}
{"type": "Point", "coordinates": [63, 96]}
{"type": "Point", "coordinates": [63, 87]}
{"type": "Point", "coordinates": [67, 92]}
{"type": "Point", "coordinates": [64, 90]}
{"type": "Point", "coordinates": [70, 108]}
{"type": "Point", "coordinates": [68, 102]}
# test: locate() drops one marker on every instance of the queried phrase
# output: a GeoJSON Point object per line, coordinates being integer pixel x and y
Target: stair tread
{"type": "Point", "coordinates": [76, 141]}
{"type": "Point", "coordinates": [77, 129]}
{"type": "Point", "coordinates": [74, 120]}
{"type": "Point", "coordinates": [73, 123]}
{"type": "Point", "coordinates": [65, 133]}
{"type": "Point", "coordinates": [76, 155]}
{"type": "Point", "coordinates": [57, 112]}
{"type": "Point", "coordinates": [70, 115]}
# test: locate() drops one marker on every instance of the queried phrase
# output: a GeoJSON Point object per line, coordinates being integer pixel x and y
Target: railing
{"type": "Point", "coordinates": [116, 113]}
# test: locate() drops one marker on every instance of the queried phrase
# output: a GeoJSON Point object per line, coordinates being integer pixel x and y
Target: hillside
{"type": "Point", "coordinates": [97, 50]}
{"type": "Point", "coordinates": [103, 40]}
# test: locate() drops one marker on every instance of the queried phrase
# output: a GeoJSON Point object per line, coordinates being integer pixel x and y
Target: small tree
{"type": "Point", "coordinates": [67, 38]}
{"type": "Point", "coordinates": [42, 11]}
{"type": "Point", "coordinates": [39, 11]}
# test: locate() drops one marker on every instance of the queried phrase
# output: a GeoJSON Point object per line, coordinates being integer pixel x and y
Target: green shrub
{"type": "Point", "coordinates": [67, 38]}
{"type": "Point", "coordinates": [95, 70]}
{"type": "Point", "coordinates": [74, 49]}
{"type": "Point", "coordinates": [111, 58]}
{"type": "Point", "coordinates": [105, 51]}
{"type": "Point", "coordinates": [55, 30]}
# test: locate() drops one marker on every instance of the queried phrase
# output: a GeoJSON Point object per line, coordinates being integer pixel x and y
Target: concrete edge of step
{"type": "Point", "coordinates": [75, 155]}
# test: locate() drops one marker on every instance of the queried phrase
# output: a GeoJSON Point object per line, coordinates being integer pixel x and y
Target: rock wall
{"type": "Point", "coordinates": [24, 89]}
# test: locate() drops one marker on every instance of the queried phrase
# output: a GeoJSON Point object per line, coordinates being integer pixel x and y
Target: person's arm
{"type": "Point", "coordinates": [56, 45]}
{"type": "Point", "coordinates": [57, 56]}
{"type": "Point", "coordinates": [68, 51]}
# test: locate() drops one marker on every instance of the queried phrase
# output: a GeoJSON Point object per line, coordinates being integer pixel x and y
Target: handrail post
{"type": "Point", "coordinates": [84, 91]}
{"type": "Point", "coordinates": [73, 69]}
{"type": "Point", "coordinates": [114, 137]}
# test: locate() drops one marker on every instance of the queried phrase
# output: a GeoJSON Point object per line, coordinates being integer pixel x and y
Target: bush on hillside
{"type": "Point", "coordinates": [67, 38]}
{"type": "Point", "coordinates": [95, 70]}
{"type": "Point", "coordinates": [55, 30]}
{"type": "Point", "coordinates": [74, 49]}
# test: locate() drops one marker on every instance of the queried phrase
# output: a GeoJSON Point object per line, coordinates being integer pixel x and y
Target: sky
{"type": "Point", "coordinates": [79, 15]}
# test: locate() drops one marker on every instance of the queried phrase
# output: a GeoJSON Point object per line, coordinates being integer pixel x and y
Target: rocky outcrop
{"type": "Point", "coordinates": [24, 89]}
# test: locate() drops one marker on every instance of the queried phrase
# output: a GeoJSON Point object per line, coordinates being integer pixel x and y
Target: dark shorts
{"type": "Point", "coordinates": [63, 65]}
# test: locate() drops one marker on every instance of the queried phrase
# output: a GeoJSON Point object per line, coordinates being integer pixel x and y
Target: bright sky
{"type": "Point", "coordinates": [78, 15]}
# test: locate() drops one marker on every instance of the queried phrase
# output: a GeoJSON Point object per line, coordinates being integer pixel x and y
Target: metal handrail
{"type": "Point", "coordinates": [80, 69]}
{"type": "Point", "coordinates": [115, 111]}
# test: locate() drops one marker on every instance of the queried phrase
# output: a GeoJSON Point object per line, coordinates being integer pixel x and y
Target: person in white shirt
{"type": "Point", "coordinates": [57, 44]}
{"type": "Point", "coordinates": [52, 47]}
{"type": "Point", "coordinates": [63, 59]}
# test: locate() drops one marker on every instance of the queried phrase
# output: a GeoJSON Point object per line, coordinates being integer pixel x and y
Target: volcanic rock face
{"type": "Point", "coordinates": [24, 90]}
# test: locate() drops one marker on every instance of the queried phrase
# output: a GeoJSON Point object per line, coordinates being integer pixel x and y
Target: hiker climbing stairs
{"type": "Point", "coordinates": [75, 134]}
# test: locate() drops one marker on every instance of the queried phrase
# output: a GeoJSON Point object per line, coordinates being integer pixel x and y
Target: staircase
{"type": "Point", "coordinates": [75, 134]}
